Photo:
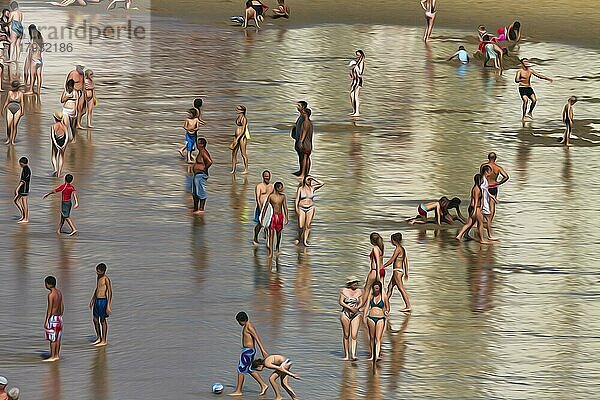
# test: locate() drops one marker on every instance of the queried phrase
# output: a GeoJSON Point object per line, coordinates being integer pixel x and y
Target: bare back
{"type": "Point", "coordinates": [276, 200]}
{"type": "Point", "coordinates": [247, 338]}
{"type": "Point", "coordinates": [55, 302]}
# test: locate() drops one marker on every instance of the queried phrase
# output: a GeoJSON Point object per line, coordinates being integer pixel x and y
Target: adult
{"type": "Point", "coordinates": [59, 141]}
{"type": "Point", "coordinates": [497, 177]}
{"type": "Point", "coordinates": [295, 134]}
{"type": "Point", "coordinates": [69, 100]}
{"type": "Point", "coordinates": [13, 110]}
{"type": "Point", "coordinates": [53, 323]}
{"type": "Point", "coordinates": [3, 383]}
{"type": "Point", "coordinates": [201, 165]}
{"type": "Point", "coordinates": [34, 61]}
{"type": "Point", "coordinates": [78, 77]}
{"type": "Point", "coordinates": [356, 75]}
{"type": "Point", "coordinates": [16, 30]}
{"type": "Point", "coordinates": [430, 10]}
{"type": "Point", "coordinates": [377, 272]}
{"type": "Point", "coordinates": [399, 262]}
{"type": "Point", "coordinates": [89, 95]}
{"type": "Point", "coordinates": [261, 194]}
{"type": "Point", "coordinates": [350, 300]}
{"type": "Point", "coordinates": [475, 214]}
{"type": "Point", "coordinates": [306, 142]}
{"type": "Point", "coordinates": [240, 139]}
{"type": "Point", "coordinates": [523, 78]}
{"type": "Point", "coordinates": [513, 32]}
{"type": "Point", "coordinates": [276, 200]}
{"type": "Point", "coordinates": [305, 206]}
{"type": "Point", "coordinates": [376, 308]}
{"type": "Point", "coordinates": [488, 199]}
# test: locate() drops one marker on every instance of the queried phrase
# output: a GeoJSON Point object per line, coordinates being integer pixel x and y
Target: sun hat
{"type": "Point", "coordinates": [3, 380]}
{"type": "Point", "coordinates": [352, 279]}
{"type": "Point", "coordinates": [58, 115]}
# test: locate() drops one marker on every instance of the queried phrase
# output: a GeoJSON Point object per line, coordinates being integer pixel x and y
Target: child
{"type": "Point", "coordinates": [279, 218]}
{"type": "Point", "coordinates": [461, 55]}
{"type": "Point", "coordinates": [190, 125]}
{"type": "Point", "coordinates": [68, 193]}
{"type": "Point", "coordinates": [424, 208]}
{"type": "Point", "coordinates": [249, 338]}
{"type": "Point", "coordinates": [100, 304]}
{"type": "Point", "coordinates": [282, 10]}
{"type": "Point", "coordinates": [281, 369]}
{"type": "Point", "coordinates": [53, 323]}
{"type": "Point", "coordinates": [567, 117]}
{"type": "Point", "coordinates": [90, 95]}
{"type": "Point", "coordinates": [22, 191]}
{"type": "Point", "coordinates": [400, 271]}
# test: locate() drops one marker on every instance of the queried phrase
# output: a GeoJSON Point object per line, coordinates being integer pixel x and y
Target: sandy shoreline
{"type": "Point", "coordinates": [546, 20]}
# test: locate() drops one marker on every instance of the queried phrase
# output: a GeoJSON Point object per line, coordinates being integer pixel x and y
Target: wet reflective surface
{"type": "Point", "coordinates": [518, 319]}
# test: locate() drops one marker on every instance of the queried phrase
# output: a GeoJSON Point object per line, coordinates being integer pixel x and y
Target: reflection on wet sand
{"type": "Point", "coordinates": [99, 382]}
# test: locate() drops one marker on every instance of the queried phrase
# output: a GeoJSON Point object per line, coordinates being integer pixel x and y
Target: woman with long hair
{"type": "Point", "coordinates": [399, 263]}
{"type": "Point", "coordinates": [34, 61]}
{"type": "Point", "coordinates": [13, 108]}
{"type": "Point", "coordinates": [377, 272]}
{"type": "Point", "coordinates": [69, 101]}
{"type": "Point", "coordinates": [350, 300]}
{"type": "Point", "coordinates": [376, 308]}
{"type": "Point", "coordinates": [240, 139]}
{"type": "Point", "coordinates": [305, 206]}
{"type": "Point", "coordinates": [356, 74]}
{"type": "Point", "coordinates": [475, 213]}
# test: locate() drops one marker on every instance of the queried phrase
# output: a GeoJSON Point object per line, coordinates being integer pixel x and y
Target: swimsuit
{"type": "Point", "coordinates": [351, 301]}
{"type": "Point", "coordinates": [489, 51]}
{"type": "Point", "coordinates": [493, 189]}
{"type": "Point", "coordinates": [526, 91]}
{"type": "Point", "coordinates": [382, 270]}
{"type": "Point", "coordinates": [71, 99]}
{"type": "Point", "coordinates": [65, 209]}
{"type": "Point", "coordinates": [277, 222]}
{"type": "Point", "coordinates": [14, 105]}
{"type": "Point", "coordinates": [257, 215]}
{"type": "Point", "coordinates": [25, 178]}
{"type": "Point", "coordinates": [100, 306]}
{"type": "Point", "coordinates": [199, 185]}
{"type": "Point", "coordinates": [379, 304]}
{"type": "Point", "coordinates": [422, 210]}
{"type": "Point", "coordinates": [60, 140]}
{"type": "Point", "coordinates": [304, 196]}
{"type": "Point", "coordinates": [190, 140]}
{"type": "Point", "coordinates": [246, 359]}
{"type": "Point", "coordinates": [55, 327]}
{"type": "Point", "coordinates": [17, 27]}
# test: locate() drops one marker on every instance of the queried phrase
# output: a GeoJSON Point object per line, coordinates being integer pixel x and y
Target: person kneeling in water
{"type": "Point", "coordinates": [282, 10]}
{"type": "Point", "coordinates": [425, 208]}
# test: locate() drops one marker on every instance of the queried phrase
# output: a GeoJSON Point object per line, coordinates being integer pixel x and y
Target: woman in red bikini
{"type": "Point", "coordinates": [377, 271]}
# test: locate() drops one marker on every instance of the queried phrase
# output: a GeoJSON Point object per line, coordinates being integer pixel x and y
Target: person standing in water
{"type": "Point", "coordinates": [200, 168]}
{"type": "Point", "coordinates": [523, 78]}
{"type": "Point", "coordinates": [78, 77]}
{"type": "Point", "coordinates": [100, 305]}
{"type": "Point", "coordinates": [90, 95]}
{"type": "Point", "coordinates": [190, 125]}
{"type": "Point", "coordinates": [14, 108]}
{"type": "Point", "coordinates": [34, 61]}
{"type": "Point", "coordinates": [377, 272]}
{"type": "Point", "coordinates": [295, 134]}
{"type": "Point", "coordinates": [430, 9]}
{"type": "Point", "coordinates": [53, 323]}
{"type": "Point", "coordinates": [350, 299]}
{"type": "Point", "coordinates": [280, 217]}
{"type": "Point", "coordinates": [16, 31]}
{"type": "Point", "coordinates": [69, 100]}
{"type": "Point", "coordinates": [59, 141]}
{"type": "Point", "coordinates": [356, 74]}
{"type": "Point", "coordinates": [240, 139]}
{"type": "Point", "coordinates": [261, 193]}
{"type": "Point", "coordinates": [69, 200]}
{"type": "Point", "coordinates": [498, 177]}
{"type": "Point", "coordinates": [305, 206]}
{"type": "Point", "coordinates": [488, 198]}
{"type": "Point", "coordinates": [306, 142]}
{"type": "Point", "coordinates": [475, 215]}
{"type": "Point", "coordinates": [22, 191]}
{"type": "Point", "coordinates": [399, 261]}
{"type": "Point", "coordinates": [250, 339]}
{"type": "Point", "coordinates": [376, 308]}
{"type": "Point", "coordinates": [567, 118]}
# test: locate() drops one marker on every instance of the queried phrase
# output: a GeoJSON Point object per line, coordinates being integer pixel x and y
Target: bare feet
{"type": "Point", "coordinates": [406, 310]}
{"type": "Point", "coordinates": [95, 342]}
{"type": "Point", "coordinates": [235, 394]}
{"type": "Point", "coordinates": [51, 359]}
{"type": "Point", "coordinates": [199, 212]}
{"type": "Point", "coordinates": [255, 243]}
{"type": "Point", "coordinates": [245, 172]}
{"type": "Point", "coordinates": [72, 233]}
{"type": "Point", "coordinates": [346, 358]}
{"type": "Point", "coordinates": [100, 344]}
{"type": "Point", "coordinates": [91, 126]}
{"type": "Point", "coordinates": [22, 221]}
{"type": "Point", "coordinates": [264, 390]}
{"type": "Point", "coordinates": [181, 153]}
{"type": "Point", "coordinates": [493, 238]}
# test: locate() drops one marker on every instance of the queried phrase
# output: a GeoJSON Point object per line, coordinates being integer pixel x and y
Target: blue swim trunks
{"type": "Point", "coordinates": [257, 215]}
{"type": "Point", "coordinates": [100, 308]}
{"type": "Point", "coordinates": [199, 185]}
{"type": "Point", "coordinates": [246, 358]}
{"type": "Point", "coordinates": [190, 141]}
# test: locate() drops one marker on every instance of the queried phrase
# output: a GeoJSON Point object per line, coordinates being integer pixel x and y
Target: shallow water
{"type": "Point", "coordinates": [518, 319]}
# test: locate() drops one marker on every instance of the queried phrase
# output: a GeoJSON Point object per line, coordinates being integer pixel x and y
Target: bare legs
{"type": "Point", "coordinates": [533, 103]}
{"type": "Point", "coordinates": [58, 159]}
{"type": "Point", "coordinates": [240, 384]}
{"type": "Point", "coordinates": [375, 334]}
{"type": "Point", "coordinates": [397, 281]}
{"type": "Point", "coordinates": [305, 170]}
{"type": "Point", "coordinates": [101, 327]}
{"type": "Point", "coordinates": [428, 28]}
{"type": "Point", "coordinates": [270, 243]}
{"type": "Point", "coordinates": [354, 99]}
{"type": "Point", "coordinates": [350, 334]}
{"type": "Point", "coordinates": [22, 204]}
{"type": "Point", "coordinates": [69, 222]}
{"type": "Point", "coordinates": [242, 147]}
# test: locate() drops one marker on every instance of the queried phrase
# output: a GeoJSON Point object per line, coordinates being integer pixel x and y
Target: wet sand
{"type": "Point", "coordinates": [513, 320]}
{"type": "Point", "coordinates": [574, 22]}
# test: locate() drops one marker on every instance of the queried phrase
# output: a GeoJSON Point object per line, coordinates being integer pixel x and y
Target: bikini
{"type": "Point", "coordinates": [71, 112]}
{"type": "Point", "coordinates": [303, 197]}
{"type": "Point", "coordinates": [380, 304]}
{"type": "Point", "coordinates": [382, 270]}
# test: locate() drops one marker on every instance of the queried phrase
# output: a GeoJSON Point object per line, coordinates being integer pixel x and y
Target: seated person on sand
{"type": "Point", "coordinates": [126, 4]}
{"type": "Point", "coordinates": [449, 205]}
{"type": "Point", "coordinates": [425, 208]}
{"type": "Point", "coordinates": [282, 10]}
